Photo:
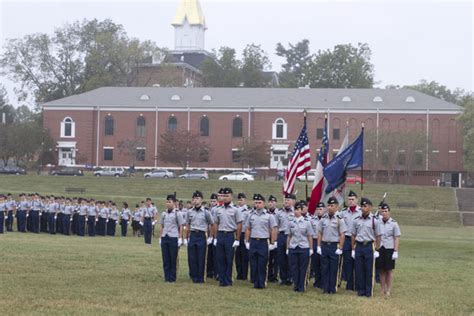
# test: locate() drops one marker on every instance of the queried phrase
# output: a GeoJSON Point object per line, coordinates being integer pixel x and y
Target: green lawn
{"type": "Point", "coordinates": [60, 275]}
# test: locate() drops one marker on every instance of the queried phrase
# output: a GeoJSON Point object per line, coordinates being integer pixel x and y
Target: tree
{"type": "Point", "coordinates": [344, 67]}
{"type": "Point", "coordinates": [223, 70]}
{"type": "Point", "coordinates": [6, 108]}
{"type": "Point", "coordinates": [130, 148]}
{"type": "Point", "coordinates": [439, 91]}
{"type": "Point", "coordinates": [254, 154]}
{"type": "Point", "coordinates": [182, 148]}
{"type": "Point", "coordinates": [254, 62]}
{"type": "Point", "coordinates": [467, 119]}
{"type": "Point", "coordinates": [298, 62]}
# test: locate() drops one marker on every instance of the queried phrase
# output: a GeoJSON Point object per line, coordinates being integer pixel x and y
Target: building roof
{"type": "Point", "coordinates": [193, 58]}
{"type": "Point", "coordinates": [190, 10]}
{"type": "Point", "coordinates": [258, 98]}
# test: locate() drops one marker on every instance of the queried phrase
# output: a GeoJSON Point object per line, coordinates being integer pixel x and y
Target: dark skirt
{"type": "Point", "coordinates": [385, 261]}
{"type": "Point", "coordinates": [135, 225]}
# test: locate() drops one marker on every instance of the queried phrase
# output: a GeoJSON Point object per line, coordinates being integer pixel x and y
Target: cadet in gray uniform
{"type": "Point", "coordinates": [113, 218]}
{"type": "Point", "coordinates": [272, 256]}
{"type": "Point", "coordinates": [241, 252]}
{"type": "Point", "coordinates": [125, 217]}
{"type": "Point", "coordinates": [283, 217]}
{"type": "Point", "coordinates": [316, 257]}
{"type": "Point", "coordinates": [388, 250]}
{"type": "Point", "coordinates": [365, 231]}
{"type": "Point", "coordinates": [11, 207]}
{"type": "Point", "coordinates": [261, 228]}
{"type": "Point", "coordinates": [3, 210]}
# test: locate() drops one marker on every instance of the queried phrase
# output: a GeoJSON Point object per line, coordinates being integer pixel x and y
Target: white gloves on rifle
{"type": "Point", "coordinates": [376, 254]}
{"type": "Point", "coordinates": [247, 245]}
{"type": "Point", "coordinates": [272, 246]}
{"type": "Point", "coordinates": [395, 255]}
{"type": "Point", "coordinates": [185, 241]}
{"type": "Point", "coordinates": [236, 244]}
{"type": "Point", "coordinates": [141, 223]}
{"type": "Point", "coordinates": [287, 251]}
{"type": "Point", "coordinates": [159, 241]}
{"type": "Point", "coordinates": [318, 250]}
{"type": "Point", "coordinates": [353, 254]}
{"type": "Point", "coordinates": [180, 242]}
{"type": "Point", "coordinates": [311, 252]}
{"type": "Point", "coordinates": [153, 223]}
{"type": "Point", "coordinates": [215, 242]}
{"type": "Point", "coordinates": [338, 252]}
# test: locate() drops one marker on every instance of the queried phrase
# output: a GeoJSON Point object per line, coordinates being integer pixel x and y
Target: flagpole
{"type": "Point", "coordinates": [306, 173]}
{"type": "Point", "coordinates": [362, 166]}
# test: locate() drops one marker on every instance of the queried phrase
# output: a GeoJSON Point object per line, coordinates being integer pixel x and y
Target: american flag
{"type": "Point", "coordinates": [318, 185]}
{"type": "Point", "coordinates": [300, 161]}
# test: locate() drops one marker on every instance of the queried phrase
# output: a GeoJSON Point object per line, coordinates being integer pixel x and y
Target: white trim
{"type": "Point", "coordinates": [140, 148]}
{"type": "Point", "coordinates": [107, 147]}
{"type": "Point", "coordinates": [274, 129]}
{"type": "Point", "coordinates": [61, 144]}
{"type": "Point", "coordinates": [452, 151]}
{"type": "Point", "coordinates": [69, 108]}
{"type": "Point", "coordinates": [278, 147]}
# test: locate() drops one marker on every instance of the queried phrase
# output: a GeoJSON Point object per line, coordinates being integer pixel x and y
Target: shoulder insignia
{"type": "Point", "coordinates": [357, 217]}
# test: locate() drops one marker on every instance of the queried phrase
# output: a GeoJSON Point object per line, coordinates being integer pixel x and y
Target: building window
{"type": "Point", "coordinates": [336, 133]}
{"type": "Point", "coordinates": [109, 126]}
{"type": "Point", "coordinates": [204, 126]}
{"type": "Point", "coordinates": [140, 154]}
{"type": "Point", "coordinates": [418, 159]}
{"type": "Point", "coordinates": [68, 127]}
{"type": "Point", "coordinates": [141, 127]}
{"type": "Point", "coordinates": [280, 129]}
{"type": "Point", "coordinates": [236, 155]}
{"type": "Point", "coordinates": [108, 154]}
{"type": "Point", "coordinates": [237, 127]}
{"type": "Point", "coordinates": [319, 133]}
{"type": "Point", "coordinates": [385, 158]}
{"type": "Point", "coordinates": [172, 124]}
{"type": "Point", "coordinates": [401, 159]}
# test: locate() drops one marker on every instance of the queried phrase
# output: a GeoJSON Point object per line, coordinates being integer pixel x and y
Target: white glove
{"type": "Point", "coordinates": [376, 254]}
{"type": "Point", "coordinates": [338, 252]}
{"type": "Point", "coordinates": [55, 217]}
{"type": "Point", "coordinates": [215, 242]}
{"type": "Point", "coordinates": [107, 220]}
{"type": "Point", "coordinates": [236, 244]}
{"type": "Point", "coordinates": [247, 245]}
{"type": "Point", "coordinates": [395, 255]}
{"type": "Point", "coordinates": [287, 251]}
{"type": "Point", "coordinates": [318, 250]}
{"type": "Point", "coordinates": [209, 241]}
{"type": "Point", "coordinates": [141, 223]}
{"type": "Point", "coordinates": [96, 219]}
{"type": "Point", "coordinates": [70, 219]}
{"type": "Point", "coordinates": [353, 254]}
{"type": "Point", "coordinates": [180, 242]}
{"type": "Point", "coordinates": [159, 241]}
{"type": "Point", "coordinates": [185, 241]}
{"type": "Point", "coordinates": [153, 223]}
{"type": "Point", "coordinates": [311, 252]}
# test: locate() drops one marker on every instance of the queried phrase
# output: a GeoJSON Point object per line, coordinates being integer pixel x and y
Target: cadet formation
{"type": "Point", "coordinates": [354, 245]}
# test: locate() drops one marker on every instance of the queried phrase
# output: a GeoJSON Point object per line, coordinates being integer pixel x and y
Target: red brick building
{"type": "Point", "coordinates": [88, 127]}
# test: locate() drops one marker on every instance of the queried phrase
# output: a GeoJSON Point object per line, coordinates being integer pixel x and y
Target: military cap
{"type": "Point", "coordinates": [241, 196]}
{"type": "Point", "coordinates": [320, 204]}
{"type": "Point", "coordinates": [332, 200]}
{"type": "Point", "coordinates": [227, 191]}
{"type": "Point", "coordinates": [213, 196]}
{"type": "Point", "coordinates": [352, 194]}
{"type": "Point", "coordinates": [197, 194]}
{"type": "Point", "coordinates": [221, 191]}
{"type": "Point", "coordinates": [384, 206]}
{"type": "Point", "coordinates": [298, 205]}
{"type": "Point", "coordinates": [171, 197]}
{"type": "Point", "coordinates": [303, 203]}
{"type": "Point", "coordinates": [365, 201]}
{"type": "Point", "coordinates": [272, 198]}
{"type": "Point", "coordinates": [258, 197]}
{"type": "Point", "coordinates": [290, 196]}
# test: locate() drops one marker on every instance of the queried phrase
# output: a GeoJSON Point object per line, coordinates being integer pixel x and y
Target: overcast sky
{"type": "Point", "coordinates": [410, 40]}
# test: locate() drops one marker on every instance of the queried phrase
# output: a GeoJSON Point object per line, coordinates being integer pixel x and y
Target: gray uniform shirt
{"type": "Point", "coordinates": [126, 214]}
{"type": "Point", "coordinates": [11, 204]}
{"type": "Point", "coordinates": [331, 228]}
{"type": "Point", "coordinates": [244, 210]}
{"type": "Point", "coordinates": [228, 218]}
{"type": "Point", "coordinates": [149, 211]}
{"type": "Point", "coordinates": [3, 206]}
{"type": "Point", "coordinates": [92, 210]}
{"type": "Point", "coordinates": [349, 217]}
{"type": "Point", "coordinates": [68, 209]}
{"type": "Point", "coordinates": [199, 219]}
{"type": "Point", "coordinates": [366, 229]}
{"type": "Point", "coordinates": [36, 205]}
{"type": "Point", "coordinates": [299, 229]}
{"type": "Point", "coordinates": [103, 212]}
{"type": "Point", "coordinates": [390, 230]}
{"type": "Point", "coordinates": [283, 218]}
{"type": "Point", "coordinates": [137, 216]}
{"type": "Point", "coordinates": [170, 222]}
{"type": "Point", "coordinates": [260, 223]}
{"type": "Point", "coordinates": [83, 210]}
{"type": "Point", "coordinates": [114, 214]}
{"type": "Point", "coordinates": [314, 220]}
{"type": "Point", "coordinates": [24, 205]}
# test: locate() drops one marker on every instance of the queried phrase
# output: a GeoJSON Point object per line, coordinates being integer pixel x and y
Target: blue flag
{"type": "Point", "coordinates": [352, 157]}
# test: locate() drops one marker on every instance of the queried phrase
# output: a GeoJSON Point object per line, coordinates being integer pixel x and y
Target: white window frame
{"type": "Point", "coordinates": [63, 128]}
{"type": "Point", "coordinates": [274, 129]}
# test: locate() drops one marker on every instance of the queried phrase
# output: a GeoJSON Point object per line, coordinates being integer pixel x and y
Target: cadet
{"type": "Point", "coordinates": [23, 207]}
{"type": "Point", "coordinates": [229, 226]}
{"type": "Point", "coordinates": [388, 250]}
{"type": "Point", "coordinates": [67, 216]}
{"type": "Point", "coordinates": [260, 229]}
{"type": "Point", "coordinates": [92, 217]}
{"type": "Point", "coordinates": [11, 207]}
{"type": "Point", "coordinates": [125, 217]}
{"type": "Point", "coordinates": [171, 223]}
{"type": "Point", "coordinates": [44, 214]}
{"type": "Point", "coordinates": [330, 243]}
{"type": "Point", "coordinates": [284, 216]}
{"type": "Point", "coordinates": [365, 230]}
{"type": "Point", "coordinates": [82, 216]}
{"type": "Point", "coordinates": [3, 209]}
{"type": "Point", "coordinates": [211, 249]}
{"type": "Point", "coordinates": [103, 219]}
{"type": "Point", "coordinates": [60, 215]}
{"type": "Point", "coordinates": [241, 252]}
{"type": "Point", "coordinates": [34, 213]}
{"type": "Point", "coordinates": [148, 220]}
{"type": "Point", "coordinates": [113, 218]}
{"type": "Point", "coordinates": [198, 222]}
{"type": "Point", "coordinates": [349, 214]}
{"type": "Point", "coordinates": [52, 215]}
{"type": "Point", "coordinates": [272, 256]}
{"type": "Point", "coordinates": [137, 217]}
{"type": "Point", "coordinates": [316, 257]}
{"type": "Point", "coordinates": [299, 247]}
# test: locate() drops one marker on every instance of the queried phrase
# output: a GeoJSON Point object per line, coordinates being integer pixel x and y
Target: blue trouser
{"type": "Point", "coordinates": [51, 223]}
{"type": "Point", "coordinates": [91, 226]}
{"type": "Point", "coordinates": [197, 256]}
{"type": "Point", "coordinates": [348, 263]}
{"type": "Point", "coordinates": [147, 229]}
{"type": "Point", "coordinates": [316, 264]}
{"type": "Point", "coordinates": [101, 226]}
{"type": "Point", "coordinates": [169, 251]}
{"type": "Point", "coordinates": [9, 221]}
{"type": "Point", "coordinates": [299, 259]}
{"type": "Point", "coordinates": [81, 225]}
{"type": "Point", "coordinates": [225, 257]}
{"type": "Point", "coordinates": [364, 268]}
{"type": "Point", "coordinates": [283, 267]}
{"type": "Point", "coordinates": [210, 266]}
{"type": "Point", "coordinates": [329, 266]}
{"type": "Point", "coordinates": [66, 224]}
{"type": "Point", "coordinates": [2, 220]}
{"type": "Point", "coordinates": [242, 259]}
{"type": "Point", "coordinates": [44, 222]}
{"type": "Point", "coordinates": [111, 227]}
{"type": "Point", "coordinates": [21, 220]}
{"type": "Point", "coordinates": [124, 225]}
{"type": "Point", "coordinates": [258, 255]}
{"type": "Point", "coordinates": [34, 221]}
{"type": "Point", "coordinates": [272, 266]}
{"type": "Point", "coordinates": [59, 223]}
